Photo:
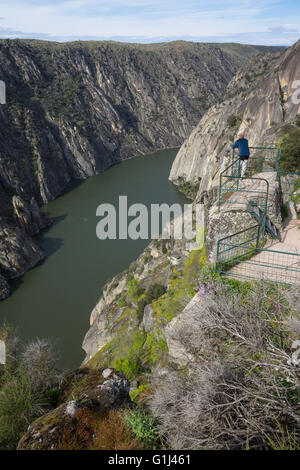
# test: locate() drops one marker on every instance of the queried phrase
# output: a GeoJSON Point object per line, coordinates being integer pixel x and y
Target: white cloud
{"type": "Point", "coordinates": [80, 19]}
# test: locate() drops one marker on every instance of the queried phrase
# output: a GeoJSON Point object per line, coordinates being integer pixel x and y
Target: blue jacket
{"type": "Point", "coordinates": [242, 145]}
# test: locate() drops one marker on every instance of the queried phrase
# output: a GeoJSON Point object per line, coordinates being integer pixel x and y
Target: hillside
{"type": "Point", "coordinates": [212, 362]}
{"type": "Point", "coordinates": [259, 100]}
{"type": "Point", "coordinates": [75, 109]}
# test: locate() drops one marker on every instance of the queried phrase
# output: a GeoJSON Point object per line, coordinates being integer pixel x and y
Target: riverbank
{"type": "Point", "coordinates": [55, 299]}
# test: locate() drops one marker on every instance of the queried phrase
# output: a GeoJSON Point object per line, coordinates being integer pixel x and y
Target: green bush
{"type": "Point", "coordinates": [290, 146]}
{"type": "Point", "coordinates": [20, 404]}
{"type": "Point", "coordinates": [122, 303]}
{"type": "Point", "coordinates": [131, 367]}
{"type": "Point", "coordinates": [143, 425]}
{"type": "Point", "coordinates": [134, 289]}
{"type": "Point", "coordinates": [28, 385]}
{"type": "Point", "coordinates": [234, 121]}
{"type": "Point", "coordinates": [131, 363]}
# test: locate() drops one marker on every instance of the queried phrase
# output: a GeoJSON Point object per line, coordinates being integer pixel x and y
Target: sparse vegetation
{"type": "Point", "coordinates": [233, 121]}
{"type": "Point", "coordinates": [143, 425]}
{"type": "Point", "coordinates": [244, 392]}
{"type": "Point", "coordinates": [28, 385]}
{"type": "Point", "coordinates": [187, 188]}
{"type": "Point", "coordinates": [290, 145]}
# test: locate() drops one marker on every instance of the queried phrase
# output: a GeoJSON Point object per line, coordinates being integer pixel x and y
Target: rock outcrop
{"type": "Point", "coordinates": [28, 215]}
{"type": "Point", "coordinates": [18, 252]}
{"type": "Point", "coordinates": [76, 421]}
{"type": "Point", "coordinates": [75, 109]}
{"type": "Point", "coordinates": [259, 99]}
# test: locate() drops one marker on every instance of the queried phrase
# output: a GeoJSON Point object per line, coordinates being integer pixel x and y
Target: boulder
{"type": "Point", "coordinates": [148, 319]}
{"type": "Point", "coordinates": [85, 400]}
{"type": "Point", "coordinates": [18, 251]}
{"type": "Point", "coordinates": [28, 215]}
{"type": "Point", "coordinates": [291, 210]}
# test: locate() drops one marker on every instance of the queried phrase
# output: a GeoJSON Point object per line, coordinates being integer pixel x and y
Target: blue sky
{"type": "Point", "coordinates": [271, 22]}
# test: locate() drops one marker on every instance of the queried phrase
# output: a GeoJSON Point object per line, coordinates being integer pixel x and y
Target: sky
{"type": "Point", "coordinates": [270, 22]}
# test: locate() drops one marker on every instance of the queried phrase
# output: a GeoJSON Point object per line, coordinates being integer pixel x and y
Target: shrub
{"type": "Point", "coordinates": [142, 424]}
{"type": "Point", "coordinates": [290, 146]}
{"type": "Point", "coordinates": [131, 363]}
{"type": "Point", "coordinates": [134, 289]}
{"type": "Point", "coordinates": [152, 293]}
{"type": "Point", "coordinates": [28, 385]}
{"type": "Point", "coordinates": [131, 367]}
{"type": "Point", "coordinates": [39, 359]}
{"type": "Point", "coordinates": [19, 405]}
{"type": "Point", "coordinates": [139, 391]}
{"type": "Point", "coordinates": [234, 121]}
{"type": "Point", "coordinates": [155, 346]}
{"type": "Point", "coordinates": [122, 303]}
{"type": "Point", "coordinates": [242, 388]}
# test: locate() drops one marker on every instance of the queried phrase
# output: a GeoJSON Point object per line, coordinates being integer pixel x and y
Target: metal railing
{"type": "Point", "coordinates": [262, 159]}
{"type": "Point", "coordinates": [251, 195]}
{"type": "Point", "coordinates": [242, 254]}
{"type": "Point", "coordinates": [248, 260]}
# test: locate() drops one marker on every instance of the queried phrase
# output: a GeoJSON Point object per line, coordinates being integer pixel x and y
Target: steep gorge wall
{"type": "Point", "coordinates": [260, 98]}
{"type": "Point", "coordinates": [75, 109]}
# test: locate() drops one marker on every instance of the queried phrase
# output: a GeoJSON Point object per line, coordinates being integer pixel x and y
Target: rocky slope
{"type": "Point", "coordinates": [87, 398]}
{"type": "Point", "coordinates": [259, 100]}
{"type": "Point", "coordinates": [75, 109]}
{"type": "Point", "coordinates": [260, 94]}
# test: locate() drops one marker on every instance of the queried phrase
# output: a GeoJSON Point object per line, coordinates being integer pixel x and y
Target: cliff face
{"type": "Point", "coordinates": [75, 109]}
{"type": "Point", "coordinates": [258, 99]}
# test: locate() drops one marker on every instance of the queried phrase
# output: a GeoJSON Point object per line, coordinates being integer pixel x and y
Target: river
{"type": "Point", "coordinates": [55, 299]}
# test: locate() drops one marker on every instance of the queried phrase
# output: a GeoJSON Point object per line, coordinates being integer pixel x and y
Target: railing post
{"type": "Point", "coordinates": [217, 256]}
{"type": "Point", "coordinates": [238, 174]}
{"type": "Point", "coordinates": [258, 236]}
{"type": "Point", "coordinates": [278, 163]}
{"type": "Point", "coordinates": [220, 193]}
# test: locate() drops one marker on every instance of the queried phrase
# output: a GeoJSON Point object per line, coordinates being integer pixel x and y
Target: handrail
{"type": "Point", "coordinates": [238, 233]}
{"type": "Point", "coordinates": [239, 247]}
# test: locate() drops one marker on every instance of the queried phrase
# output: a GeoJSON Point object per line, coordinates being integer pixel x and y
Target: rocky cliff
{"type": "Point", "coordinates": [87, 409]}
{"type": "Point", "coordinates": [75, 109]}
{"type": "Point", "coordinates": [128, 316]}
{"type": "Point", "coordinates": [259, 100]}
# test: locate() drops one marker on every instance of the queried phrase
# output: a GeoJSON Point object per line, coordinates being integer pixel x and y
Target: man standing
{"type": "Point", "coordinates": [244, 153]}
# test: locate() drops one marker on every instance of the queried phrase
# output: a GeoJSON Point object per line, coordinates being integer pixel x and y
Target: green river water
{"type": "Point", "coordinates": [55, 299]}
